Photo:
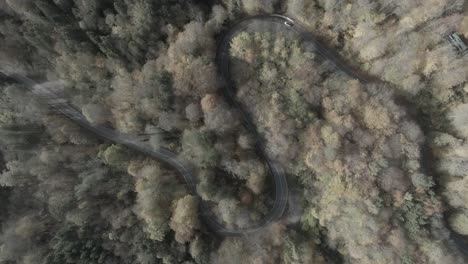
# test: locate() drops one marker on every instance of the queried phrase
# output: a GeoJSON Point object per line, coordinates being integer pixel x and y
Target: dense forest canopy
{"type": "Point", "coordinates": [377, 172]}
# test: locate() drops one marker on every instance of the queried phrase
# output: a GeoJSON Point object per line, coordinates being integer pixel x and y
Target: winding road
{"type": "Point", "coordinates": [184, 168]}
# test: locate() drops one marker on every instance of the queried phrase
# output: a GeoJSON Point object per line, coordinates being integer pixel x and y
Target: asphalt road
{"type": "Point", "coordinates": [183, 167]}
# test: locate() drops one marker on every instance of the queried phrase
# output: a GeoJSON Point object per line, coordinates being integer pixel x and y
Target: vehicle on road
{"type": "Point", "coordinates": [458, 42]}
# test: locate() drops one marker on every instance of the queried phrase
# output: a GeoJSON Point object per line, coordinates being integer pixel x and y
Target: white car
{"type": "Point", "coordinates": [288, 23]}
{"type": "Point", "coordinates": [457, 41]}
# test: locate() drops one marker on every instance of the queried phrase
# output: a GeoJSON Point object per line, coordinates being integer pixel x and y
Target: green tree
{"type": "Point", "coordinates": [115, 155]}
{"type": "Point", "coordinates": [199, 250]}
{"type": "Point", "coordinates": [300, 250]}
{"type": "Point", "coordinates": [81, 246]}
{"type": "Point", "coordinates": [156, 188]}
{"type": "Point", "coordinates": [198, 146]}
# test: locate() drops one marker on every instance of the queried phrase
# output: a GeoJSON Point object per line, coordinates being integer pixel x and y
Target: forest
{"type": "Point", "coordinates": [377, 172]}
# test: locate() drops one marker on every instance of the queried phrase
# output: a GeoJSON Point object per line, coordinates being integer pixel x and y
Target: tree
{"type": "Point", "coordinates": [171, 121]}
{"type": "Point", "coordinates": [115, 155]}
{"type": "Point", "coordinates": [460, 119]}
{"type": "Point", "coordinates": [228, 209]}
{"type": "Point", "coordinates": [158, 84]}
{"type": "Point", "coordinates": [193, 112]}
{"type": "Point", "coordinates": [246, 141]}
{"type": "Point", "coordinates": [413, 218]}
{"type": "Point", "coordinates": [254, 7]}
{"type": "Point", "coordinates": [63, 130]}
{"type": "Point", "coordinates": [73, 245]}
{"type": "Point", "coordinates": [232, 251]}
{"type": "Point", "coordinates": [393, 179]}
{"type": "Point", "coordinates": [199, 250]}
{"type": "Point", "coordinates": [26, 8]}
{"type": "Point", "coordinates": [15, 175]}
{"type": "Point", "coordinates": [300, 251]}
{"type": "Point", "coordinates": [184, 219]}
{"type": "Point", "coordinates": [212, 188]}
{"type": "Point", "coordinates": [215, 119]}
{"type": "Point", "coordinates": [459, 222]}
{"type": "Point", "coordinates": [422, 182]}
{"type": "Point", "coordinates": [251, 170]}
{"type": "Point", "coordinates": [243, 47]}
{"type": "Point", "coordinates": [456, 192]}
{"type": "Point", "coordinates": [376, 117]}
{"type": "Point", "coordinates": [156, 188]}
{"type": "Point", "coordinates": [96, 114]}
{"type": "Point", "coordinates": [198, 147]}
{"type": "Point", "coordinates": [218, 16]}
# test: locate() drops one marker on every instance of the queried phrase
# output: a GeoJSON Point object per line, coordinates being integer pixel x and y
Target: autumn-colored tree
{"type": "Point", "coordinates": [185, 219]}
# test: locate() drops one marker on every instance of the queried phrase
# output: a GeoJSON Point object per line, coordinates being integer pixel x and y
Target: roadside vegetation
{"type": "Point", "coordinates": [373, 169]}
